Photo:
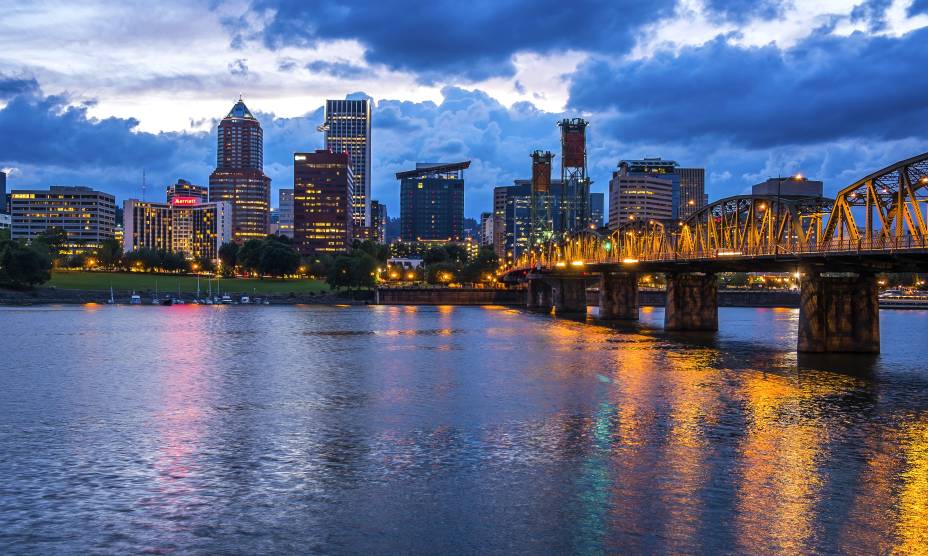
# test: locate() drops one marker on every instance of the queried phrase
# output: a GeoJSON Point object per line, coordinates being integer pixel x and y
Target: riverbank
{"type": "Point", "coordinates": [174, 283]}
{"type": "Point", "coordinates": [61, 296]}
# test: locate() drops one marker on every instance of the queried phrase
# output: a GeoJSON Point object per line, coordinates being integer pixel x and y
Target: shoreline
{"type": "Point", "coordinates": [650, 298]}
{"type": "Point", "coordinates": [61, 296]}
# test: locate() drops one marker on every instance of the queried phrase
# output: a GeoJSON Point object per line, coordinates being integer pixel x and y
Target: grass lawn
{"type": "Point", "coordinates": [168, 283]}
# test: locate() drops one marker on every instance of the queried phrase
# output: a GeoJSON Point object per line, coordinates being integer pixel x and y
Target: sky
{"type": "Point", "coordinates": [94, 92]}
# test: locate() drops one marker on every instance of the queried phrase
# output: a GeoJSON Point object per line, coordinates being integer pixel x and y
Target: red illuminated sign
{"type": "Point", "coordinates": [185, 201]}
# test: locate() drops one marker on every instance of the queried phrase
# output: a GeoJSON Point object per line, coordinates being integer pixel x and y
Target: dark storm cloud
{"type": "Point", "coordinates": [12, 86]}
{"type": "Point", "coordinates": [826, 88]}
{"type": "Point", "coordinates": [53, 142]}
{"type": "Point", "coordinates": [444, 39]}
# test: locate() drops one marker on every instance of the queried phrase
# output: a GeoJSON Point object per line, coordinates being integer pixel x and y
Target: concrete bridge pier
{"type": "Point", "coordinates": [618, 296]}
{"type": "Point", "coordinates": [692, 301]}
{"type": "Point", "coordinates": [569, 295]}
{"type": "Point", "coordinates": [539, 295]}
{"type": "Point", "coordinates": [839, 313]}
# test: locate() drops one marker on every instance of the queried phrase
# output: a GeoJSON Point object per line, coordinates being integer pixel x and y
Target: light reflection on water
{"type": "Point", "coordinates": [459, 430]}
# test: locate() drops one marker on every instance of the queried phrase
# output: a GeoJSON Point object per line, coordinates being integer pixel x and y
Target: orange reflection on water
{"type": "Point", "coordinates": [692, 390]}
{"type": "Point", "coordinates": [780, 482]}
{"type": "Point", "coordinates": [912, 528]}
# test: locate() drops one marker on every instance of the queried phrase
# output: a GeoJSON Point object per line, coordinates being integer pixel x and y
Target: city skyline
{"type": "Point", "coordinates": [486, 103]}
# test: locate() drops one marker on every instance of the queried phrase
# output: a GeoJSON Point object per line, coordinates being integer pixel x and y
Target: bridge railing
{"type": "Point", "coordinates": [794, 248]}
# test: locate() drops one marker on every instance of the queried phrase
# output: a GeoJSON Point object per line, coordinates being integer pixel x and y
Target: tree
{"type": "Point", "coordinates": [205, 264]}
{"type": "Point", "coordinates": [228, 256]}
{"type": "Point", "coordinates": [485, 263]}
{"type": "Point", "coordinates": [436, 254]}
{"type": "Point", "coordinates": [109, 253]}
{"type": "Point", "coordinates": [54, 240]}
{"type": "Point", "coordinates": [365, 270]}
{"type": "Point", "coordinates": [442, 273]}
{"type": "Point", "coordinates": [342, 272]}
{"type": "Point", "coordinates": [22, 265]}
{"type": "Point", "coordinates": [249, 255]}
{"type": "Point", "coordinates": [277, 259]}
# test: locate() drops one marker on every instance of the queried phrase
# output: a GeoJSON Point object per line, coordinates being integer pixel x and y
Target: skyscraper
{"type": "Point", "coordinates": [378, 221]}
{"type": "Point", "coordinates": [347, 128]}
{"type": "Point", "coordinates": [323, 187]}
{"type": "Point", "coordinates": [184, 188]}
{"type": "Point", "coordinates": [639, 195]}
{"type": "Point", "coordinates": [285, 208]}
{"type": "Point", "coordinates": [239, 176]}
{"type": "Point", "coordinates": [692, 191]}
{"type": "Point", "coordinates": [432, 202]}
{"type": "Point", "coordinates": [597, 209]}
{"type": "Point", "coordinates": [3, 208]}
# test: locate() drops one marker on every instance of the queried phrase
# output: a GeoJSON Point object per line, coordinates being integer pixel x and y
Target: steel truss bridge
{"type": "Point", "coordinates": [877, 224]}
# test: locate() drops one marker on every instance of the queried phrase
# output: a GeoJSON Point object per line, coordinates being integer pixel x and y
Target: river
{"type": "Point", "coordinates": [394, 430]}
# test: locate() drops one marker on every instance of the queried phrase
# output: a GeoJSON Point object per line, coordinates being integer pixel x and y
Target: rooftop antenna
{"type": "Point", "coordinates": [143, 184]}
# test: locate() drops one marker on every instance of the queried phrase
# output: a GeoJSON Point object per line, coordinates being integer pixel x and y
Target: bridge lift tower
{"type": "Point", "coordinates": [575, 184]}
{"type": "Point", "coordinates": [542, 224]}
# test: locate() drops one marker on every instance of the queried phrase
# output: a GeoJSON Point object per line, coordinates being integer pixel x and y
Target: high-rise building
{"type": "Point", "coordinates": [285, 208]}
{"type": "Point", "coordinates": [796, 186]}
{"type": "Point", "coordinates": [347, 128]}
{"type": "Point", "coordinates": [239, 176]}
{"type": "Point", "coordinates": [640, 195]}
{"type": "Point", "coordinates": [514, 227]}
{"type": "Point", "coordinates": [3, 207]}
{"type": "Point", "coordinates": [692, 191]}
{"type": "Point", "coordinates": [597, 209]}
{"type": "Point", "coordinates": [500, 196]}
{"type": "Point", "coordinates": [378, 222]}
{"type": "Point", "coordinates": [184, 188]}
{"type": "Point", "coordinates": [323, 188]}
{"type": "Point", "coordinates": [432, 202]}
{"type": "Point", "coordinates": [87, 216]}
{"type": "Point", "coordinates": [486, 228]}
{"type": "Point", "coordinates": [184, 224]}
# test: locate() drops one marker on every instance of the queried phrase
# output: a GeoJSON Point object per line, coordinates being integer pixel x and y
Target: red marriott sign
{"type": "Point", "coordinates": [185, 201]}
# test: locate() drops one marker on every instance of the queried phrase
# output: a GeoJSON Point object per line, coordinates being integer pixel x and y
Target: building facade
{"type": "Point", "coordinates": [87, 216]}
{"type": "Point", "coordinates": [432, 202]}
{"type": "Point", "coordinates": [379, 219]}
{"type": "Point", "coordinates": [3, 207]}
{"type": "Point", "coordinates": [796, 186]}
{"type": "Point", "coordinates": [513, 226]}
{"type": "Point", "coordinates": [239, 175]}
{"type": "Point", "coordinates": [639, 196]}
{"type": "Point", "coordinates": [486, 227]}
{"type": "Point", "coordinates": [500, 195]}
{"type": "Point", "coordinates": [692, 191]}
{"type": "Point", "coordinates": [184, 225]}
{"type": "Point", "coordinates": [347, 128]}
{"type": "Point", "coordinates": [184, 188]}
{"type": "Point", "coordinates": [323, 190]}
{"type": "Point", "coordinates": [597, 210]}
{"type": "Point", "coordinates": [285, 209]}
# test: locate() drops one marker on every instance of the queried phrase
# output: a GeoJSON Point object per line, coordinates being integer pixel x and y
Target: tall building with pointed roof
{"type": "Point", "coordinates": [239, 175]}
